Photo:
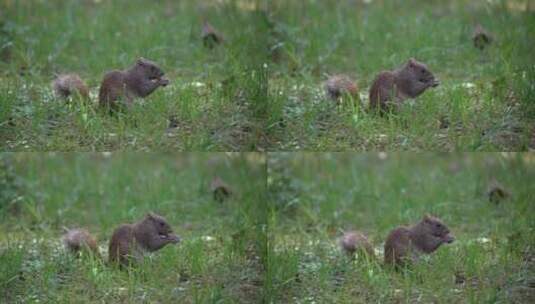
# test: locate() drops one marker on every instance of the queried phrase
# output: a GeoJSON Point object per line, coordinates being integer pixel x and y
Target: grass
{"type": "Point", "coordinates": [314, 197]}
{"type": "Point", "coordinates": [215, 95]}
{"type": "Point", "coordinates": [484, 102]}
{"type": "Point", "coordinates": [219, 259]}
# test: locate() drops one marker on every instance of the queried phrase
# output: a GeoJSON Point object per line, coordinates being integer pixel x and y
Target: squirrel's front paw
{"type": "Point", "coordinates": [164, 82]}
{"type": "Point", "coordinates": [449, 238]}
{"type": "Point", "coordinates": [173, 238]}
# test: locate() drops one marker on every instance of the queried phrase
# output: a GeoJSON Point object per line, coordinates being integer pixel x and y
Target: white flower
{"type": "Point", "coordinates": [468, 85]}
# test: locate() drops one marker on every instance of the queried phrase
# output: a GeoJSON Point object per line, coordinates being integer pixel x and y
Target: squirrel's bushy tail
{"type": "Point", "coordinates": [65, 85]}
{"type": "Point", "coordinates": [79, 240]}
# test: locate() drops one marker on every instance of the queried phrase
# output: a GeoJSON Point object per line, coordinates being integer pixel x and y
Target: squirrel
{"type": "Point", "coordinates": [338, 85]}
{"type": "Point", "coordinates": [220, 189]}
{"type": "Point", "coordinates": [481, 37]}
{"type": "Point", "coordinates": [140, 80]}
{"type": "Point", "coordinates": [150, 234]}
{"type": "Point", "coordinates": [210, 36]}
{"type": "Point", "coordinates": [404, 244]}
{"type": "Point", "coordinates": [129, 240]}
{"type": "Point", "coordinates": [393, 87]}
{"type": "Point", "coordinates": [496, 192]}
{"type": "Point", "coordinates": [353, 242]}
{"type": "Point", "coordinates": [65, 85]}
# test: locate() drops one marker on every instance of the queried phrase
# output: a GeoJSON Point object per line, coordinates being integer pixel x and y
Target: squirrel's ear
{"type": "Point", "coordinates": [427, 217]}
{"type": "Point", "coordinates": [412, 61]}
{"type": "Point", "coordinates": [150, 215]}
{"type": "Point", "coordinates": [140, 61]}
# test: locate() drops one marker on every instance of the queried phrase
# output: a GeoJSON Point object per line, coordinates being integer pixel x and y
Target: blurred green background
{"type": "Point", "coordinates": [216, 96]}
{"type": "Point", "coordinates": [314, 197]}
{"type": "Point", "coordinates": [220, 258]}
{"type": "Point", "coordinates": [484, 101]}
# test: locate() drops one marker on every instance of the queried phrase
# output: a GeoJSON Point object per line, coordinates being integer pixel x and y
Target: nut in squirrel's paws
{"type": "Point", "coordinates": [435, 83]}
{"type": "Point", "coordinates": [160, 80]}
{"type": "Point", "coordinates": [172, 237]}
